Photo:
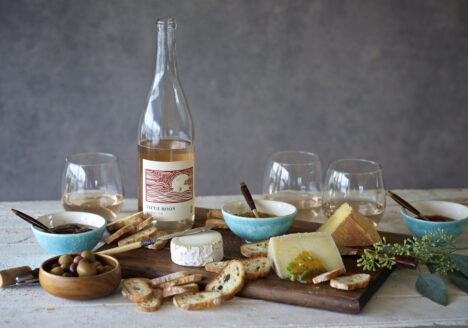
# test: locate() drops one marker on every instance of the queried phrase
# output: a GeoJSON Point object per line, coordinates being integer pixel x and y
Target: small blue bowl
{"type": "Point", "coordinates": [253, 229]}
{"type": "Point", "coordinates": [451, 210]}
{"type": "Point", "coordinates": [58, 244]}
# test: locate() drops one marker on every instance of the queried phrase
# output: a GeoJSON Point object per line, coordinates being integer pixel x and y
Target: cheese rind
{"type": "Point", "coordinates": [198, 249]}
{"type": "Point", "coordinates": [283, 250]}
{"type": "Point", "coordinates": [350, 228]}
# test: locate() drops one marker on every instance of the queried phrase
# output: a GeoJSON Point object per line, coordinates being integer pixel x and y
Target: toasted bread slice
{"type": "Point", "coordinates": [255, 267]}
{"type": "Point", "coordinates": [174, 290]}
{"type": "Point", "coordinates": [146, 223]}
{"type": "Point", "coordinates": [215, 266]}
{"type": "Point", "coordinates": [354, 281]}
{"type": "Point", "coordinates": [137, 289]}
{"type": "Point", "coordinates": [116, 225]}
{"type": "Point", "coordinates": [128, 229]}
{"type": "Point", "coordinates": [214, 214]}
{"type": "Point", "coordinates": [141, 235]}
{"type": "Point", "coordinates": [197, 301]}
{"type": "Point", "coordinates": [159, 244]}
{"type": "Point", "coordinates": [220, 224]}
{"type": "Point", "coordinates": [259, 248]}
{"type": "Point", "coordinates": [229, 281]}
{"type": "Point", "coordinates": [160, 280]}
{"type": "Point", "coordinates": [153, 303]}
{"type": "Point", "coordinates": [328, 275]}
{"type": "Point", "coordinates": [182, 281]}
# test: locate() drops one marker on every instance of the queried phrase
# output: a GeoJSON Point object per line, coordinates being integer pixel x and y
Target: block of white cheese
{"type": "Point", "coordinates": [198, 249]}
{"type": "Point", "coordinates": [285, 249]}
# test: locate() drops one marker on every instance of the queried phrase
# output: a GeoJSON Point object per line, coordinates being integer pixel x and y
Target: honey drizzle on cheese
{"type": "Point", "coordinates": [305, 267]}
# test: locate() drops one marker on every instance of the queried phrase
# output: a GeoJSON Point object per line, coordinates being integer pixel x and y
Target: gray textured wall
{"type": "Point", "coordinates": [382, 80]}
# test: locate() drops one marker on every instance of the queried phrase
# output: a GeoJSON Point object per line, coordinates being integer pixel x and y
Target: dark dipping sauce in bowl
{"type": "Point", "coordinates": [72, 228]}
{"type": "Point", "coordinates": [261, 214]}
{"type": "Point", "coordinates": [438, 218]}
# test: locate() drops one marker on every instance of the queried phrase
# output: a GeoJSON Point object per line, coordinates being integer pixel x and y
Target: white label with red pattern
{"type": "Point", "coordinates": [168, 192]}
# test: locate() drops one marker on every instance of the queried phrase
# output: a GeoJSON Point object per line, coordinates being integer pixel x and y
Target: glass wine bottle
{"type": "Point", "coordinates": [166, 154]}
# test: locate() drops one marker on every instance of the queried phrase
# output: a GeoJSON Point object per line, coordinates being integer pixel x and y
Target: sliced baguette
{"type": "Point", "coordinates": [159, 244]}
{"type": "Point", "coordinates": [137, 289]}
{"type": "Point", "coordinates": [141, 235]}
{"type": "Point", "coordinates": [153, 303]}
{"type": "Point", "coordinates": [259, 248]}
{"type": "Point", "coordinates": [215, 266]}
{"type": "Point", "coordinates": [146, 223]}
{"type": "Point", "coordinates": [220, 224]}
{"type": "Point", "coordinates": [116, 225]}
{"type": "Point", "coordinates": [128, 229]}
{"type": "Point", "coordinates": [159, 280]}
{"type": "Point", "coordinates": [197, 301]}
{"type": "Point", "coordinates": [228, 281]}
{"type": "Point", "coordinates": [182, 281]}
{"type": "Point", "coordinates": [175, 290]}
{"type": "Point", "coordinates": [352, 282]}
{"type": "Point", "coordinates": [328, 275]}
{"type": "Point", "coordinates": [255, 267]}
{"type": "Point", "coordinates": [215, 214]}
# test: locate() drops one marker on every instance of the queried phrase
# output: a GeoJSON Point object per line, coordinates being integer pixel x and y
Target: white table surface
{"type": "Point", "coordinates": [395, 304]}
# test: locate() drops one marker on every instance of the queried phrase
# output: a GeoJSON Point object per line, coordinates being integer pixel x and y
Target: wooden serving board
{"type": "Point", "coordinates": [150, 263]}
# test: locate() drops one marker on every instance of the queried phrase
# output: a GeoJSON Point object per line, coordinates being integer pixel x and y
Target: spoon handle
{"type": "Point", "coordinates": [405, 204]}
{"type": "Point", "coordinates": [31, 220]}
{"type": "Point", "coordinates": [248, 198]}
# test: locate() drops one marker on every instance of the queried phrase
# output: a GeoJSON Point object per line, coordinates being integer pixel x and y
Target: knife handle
{"type": "Point", "coordinates": [408, 262]}
{"type": "Point", "coordinates": [8, 277]}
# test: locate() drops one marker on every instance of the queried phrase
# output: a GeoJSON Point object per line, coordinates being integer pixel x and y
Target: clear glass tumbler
{"type": "Point", "coordinates": [92, 182]}
{"type": "Point", "coordinates": [295, 177]}
{"type": "Point", "coordinates": [357, 182]}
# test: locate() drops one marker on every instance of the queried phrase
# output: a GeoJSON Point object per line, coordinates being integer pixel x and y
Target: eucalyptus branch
{"type": "Point", "coordinates": [433, 249]}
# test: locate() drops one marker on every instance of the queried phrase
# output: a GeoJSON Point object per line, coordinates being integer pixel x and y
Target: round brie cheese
{"type": "Point", "coordinates": [198, 249]}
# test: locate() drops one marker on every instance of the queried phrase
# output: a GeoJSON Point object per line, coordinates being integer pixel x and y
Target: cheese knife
{"type": "Point", "coordinates": [151, 241]}
{"type": "Point", "coordinates": [401, 260]}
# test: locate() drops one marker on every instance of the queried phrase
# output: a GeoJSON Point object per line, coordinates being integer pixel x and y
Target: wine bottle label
{"type": "Point", "coordinates": [168, 192]}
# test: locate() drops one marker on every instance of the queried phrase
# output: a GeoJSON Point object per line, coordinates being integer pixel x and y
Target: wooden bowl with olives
{"type": "Point", "coordinates": [80, 276]}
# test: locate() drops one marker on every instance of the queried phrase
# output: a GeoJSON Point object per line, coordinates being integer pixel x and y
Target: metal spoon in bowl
{"type": "Point", "coordinates": [407, 205]}
{"type": "Point", "coordinates": [32, 221]}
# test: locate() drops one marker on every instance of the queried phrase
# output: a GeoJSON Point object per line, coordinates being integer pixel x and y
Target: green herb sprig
{"type": "Point", "coordinates": [435, 250]}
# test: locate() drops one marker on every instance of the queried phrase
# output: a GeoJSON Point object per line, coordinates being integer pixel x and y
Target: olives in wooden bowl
{"type": "Point", "coordinates": [75, 277]}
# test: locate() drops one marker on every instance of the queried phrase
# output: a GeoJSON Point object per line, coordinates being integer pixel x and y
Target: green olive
{"type": "Point", "coordinates": [57, 271]}
{"type": "Point", "coordinates": [88, 255]}
{"type": "Point", "coordinates": [86, 269]}
{"type": "Point", "coordinates": [108, 267]}
{"type": "Point", "coordinates": [65, 260]}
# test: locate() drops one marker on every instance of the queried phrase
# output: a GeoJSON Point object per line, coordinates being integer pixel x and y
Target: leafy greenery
{"type": "Point", "coordinates": [432, 287]}
{"type": "Point", "coordinates": [435, 250]}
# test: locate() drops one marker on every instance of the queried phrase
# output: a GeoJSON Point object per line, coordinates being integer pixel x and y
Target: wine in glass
{"type": "Point", "coordinates": [92, 183]}
{"type": "Point", "coordinates": [357, 182]}
{"type": "Point", "coordinates": [295, 177]}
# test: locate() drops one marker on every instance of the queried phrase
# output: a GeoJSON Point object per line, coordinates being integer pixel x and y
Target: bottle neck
{"type": "Point", "coordinates": [165, 57]}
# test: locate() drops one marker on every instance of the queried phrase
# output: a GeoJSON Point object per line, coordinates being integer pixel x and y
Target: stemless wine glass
{"type": "Point", "coordinates": [357, 182]}
{"type": "Point", "coordinates": [92, 183]}
{"type": "Point", "coordinates": [295, 177]}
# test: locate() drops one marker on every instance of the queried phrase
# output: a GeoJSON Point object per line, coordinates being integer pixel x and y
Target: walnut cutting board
{"type": "Point", "coordinates": [150, 263]}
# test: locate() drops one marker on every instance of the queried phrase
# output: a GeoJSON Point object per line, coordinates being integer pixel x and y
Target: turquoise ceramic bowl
{"type": "Point", "coordinates": [58, 244]}
{"type": "Point", "coordinates": [432, 207]}
{"type": "Point", "coordinates": [253, 229]}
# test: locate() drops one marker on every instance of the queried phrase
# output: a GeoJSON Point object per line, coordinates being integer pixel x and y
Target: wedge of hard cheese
{"type": "Point", "coordinates": [350, 228]}
{"type": "Point", "coordinates": [285, 249]}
